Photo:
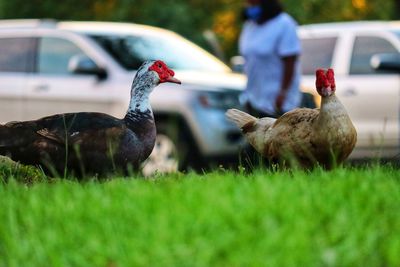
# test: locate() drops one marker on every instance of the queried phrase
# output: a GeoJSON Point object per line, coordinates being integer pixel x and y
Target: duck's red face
{"type": "Point", "coordinates": [164, 73]}
{"type": "Point", "coordinates": [325, 82]}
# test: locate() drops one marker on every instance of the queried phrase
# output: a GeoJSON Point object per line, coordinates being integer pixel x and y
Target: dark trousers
{"type": "Point", "coordinates": [259, 114]}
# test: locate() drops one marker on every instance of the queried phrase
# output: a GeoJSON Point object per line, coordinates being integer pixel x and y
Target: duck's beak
{"type": "Point", "coordinates": [172, 79]}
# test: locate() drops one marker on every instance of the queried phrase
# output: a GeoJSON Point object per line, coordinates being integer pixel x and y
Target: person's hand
{"type": "Point", "coordinates": [280, 99]}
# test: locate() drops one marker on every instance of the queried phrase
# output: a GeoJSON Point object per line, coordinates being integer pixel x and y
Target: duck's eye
{"type": "Point", "coordinates": [159, 65]}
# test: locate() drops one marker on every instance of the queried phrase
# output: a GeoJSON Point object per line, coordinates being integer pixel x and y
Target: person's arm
{"type": "Point", "coordinates": [288, 73]}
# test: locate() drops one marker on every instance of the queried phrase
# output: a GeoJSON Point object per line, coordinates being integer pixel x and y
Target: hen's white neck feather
{"type": "Point", "coordinates": [332, 106]}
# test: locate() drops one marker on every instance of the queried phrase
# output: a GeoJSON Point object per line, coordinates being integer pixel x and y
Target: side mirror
{"type": "Point", "coordinates": [386, 62]}
{"type": "Point", "coordinates": [237, 64]}
{"type": "Point", "coordinates": [81, 64]}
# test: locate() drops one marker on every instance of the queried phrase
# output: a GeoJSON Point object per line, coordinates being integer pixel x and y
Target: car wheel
{"type": "Point", "coordinates": [307, 100]}
{"type": "Point", "coordinates": [164, 157]}
{"type": "Point", "coordinates": [174, 150]}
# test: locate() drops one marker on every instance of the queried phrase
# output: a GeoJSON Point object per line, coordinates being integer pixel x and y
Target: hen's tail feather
{"type": "Point", "coordinates": [242, 119]}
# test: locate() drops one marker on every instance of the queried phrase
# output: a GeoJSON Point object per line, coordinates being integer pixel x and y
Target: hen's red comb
{"type": "Point", "coordinates": [325, 79]}
{"type": "Point", "coordinates": [330, 76]}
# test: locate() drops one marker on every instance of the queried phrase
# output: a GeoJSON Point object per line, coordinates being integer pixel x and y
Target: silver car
{"type": "Point", "coordinates": [49, 67]}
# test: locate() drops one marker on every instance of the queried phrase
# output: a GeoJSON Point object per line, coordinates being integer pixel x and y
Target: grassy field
{"type": "Point", "coordinates": [345, 217]}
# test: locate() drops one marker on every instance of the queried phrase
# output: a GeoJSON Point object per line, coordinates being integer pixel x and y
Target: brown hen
{"type": "Point", "coordinates": [303, 137]}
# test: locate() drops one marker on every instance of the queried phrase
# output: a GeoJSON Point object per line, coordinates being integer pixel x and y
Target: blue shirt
{"type": "Point", "coordinates": [263, 47]}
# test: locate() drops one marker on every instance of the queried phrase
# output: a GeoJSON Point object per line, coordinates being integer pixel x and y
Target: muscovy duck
{"type": "Point", "coordinates": [305, 137]}
{"type": "Point", "coordinates": [88, 142]}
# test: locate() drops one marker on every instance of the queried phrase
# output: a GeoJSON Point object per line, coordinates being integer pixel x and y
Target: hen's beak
{"type": "Point", "coordinates": [327, 91]}
{"type": "Point", "coordinates": [172, 79]}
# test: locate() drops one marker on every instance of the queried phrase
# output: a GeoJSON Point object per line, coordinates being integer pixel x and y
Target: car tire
{"type": "Point", "coordinates": [307, 100]}
{"type": "Point", "coordinates": [173, 150]}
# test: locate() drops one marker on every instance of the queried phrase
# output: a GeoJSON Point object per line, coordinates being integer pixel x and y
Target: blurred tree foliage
{"type": "Point", "coordinates": [191, 18]}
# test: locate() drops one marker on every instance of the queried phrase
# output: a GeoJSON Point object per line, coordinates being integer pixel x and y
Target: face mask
{"type": "Point", "coordinates": [253, 12]}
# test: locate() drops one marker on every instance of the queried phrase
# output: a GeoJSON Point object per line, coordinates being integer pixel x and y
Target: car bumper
{"type": "Point", "coordinates": [215, 135]}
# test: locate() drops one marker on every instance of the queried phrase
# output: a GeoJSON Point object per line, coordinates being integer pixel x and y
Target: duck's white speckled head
{"type": "Point", "coordinates": [158, 71]}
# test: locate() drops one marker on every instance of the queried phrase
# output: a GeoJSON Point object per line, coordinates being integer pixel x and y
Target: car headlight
{"type": "Point", "coordinates": [220, 100]}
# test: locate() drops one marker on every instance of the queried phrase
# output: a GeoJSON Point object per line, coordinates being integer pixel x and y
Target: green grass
{"type": "Point", "coordinates": [345, 217]}
{"type": "Point", "coordinates": [10, 169]}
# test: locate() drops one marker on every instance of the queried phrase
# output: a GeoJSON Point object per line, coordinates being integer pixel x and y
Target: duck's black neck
{"type": "Point", "coordinates": [139, 117]}
{"type": "Point", "coordinates": [139, 114]}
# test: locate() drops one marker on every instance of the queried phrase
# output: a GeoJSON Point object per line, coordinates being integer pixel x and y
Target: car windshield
{"type": "Point", "coordinates": [130, 51]}
{"type": "Point", "coordinates": [397, 32]}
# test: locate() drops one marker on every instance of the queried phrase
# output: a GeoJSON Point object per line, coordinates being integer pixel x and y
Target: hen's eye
{"type": "Point", "coordinates": [159, 65]}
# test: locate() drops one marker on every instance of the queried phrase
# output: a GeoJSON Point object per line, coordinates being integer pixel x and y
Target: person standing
{"type": "Point", "coordinates": [271, 48]}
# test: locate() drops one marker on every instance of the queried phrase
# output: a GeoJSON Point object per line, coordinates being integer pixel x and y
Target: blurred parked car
{"type": "Point", "coordinates": [365, 57]}
{"type": "Point", "coordinates": [49, 67]}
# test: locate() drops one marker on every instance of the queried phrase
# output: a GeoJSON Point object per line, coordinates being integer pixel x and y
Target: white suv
{"type": "Point", "coordinates": [49, 67]}
{"type": "Point", "coordinates": [371, 96]}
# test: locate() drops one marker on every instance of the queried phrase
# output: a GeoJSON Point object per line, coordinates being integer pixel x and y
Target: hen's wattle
{"type": "Point", "coordinates": [88, 142]}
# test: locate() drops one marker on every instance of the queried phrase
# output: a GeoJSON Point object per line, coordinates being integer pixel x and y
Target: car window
{"type": "Point", "coordinates": [316, 53]}
{"type": "Point", "coordinates": [130, 51]}
{"type": "Point", "coordinates": [17, 54]}
{"type": "Point", "coordinates": [364, 48]}
{"type": "Point", "coordinates": [55, 54]}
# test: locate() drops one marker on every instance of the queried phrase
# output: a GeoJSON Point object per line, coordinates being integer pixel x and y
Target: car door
{"type": "Point", "coordinates": [54, 89]}
{"type": "Point", "coordinates": [16, 61]}
{"type": "Point", "coordinates": [372, 98]}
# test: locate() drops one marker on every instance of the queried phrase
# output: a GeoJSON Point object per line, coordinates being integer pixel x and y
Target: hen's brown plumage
{"type": "Point", "coordinates": [303, 136]}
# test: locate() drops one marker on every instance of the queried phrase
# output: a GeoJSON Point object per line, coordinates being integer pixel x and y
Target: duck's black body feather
{"type": "Point", "coordinates": [83, 143]}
